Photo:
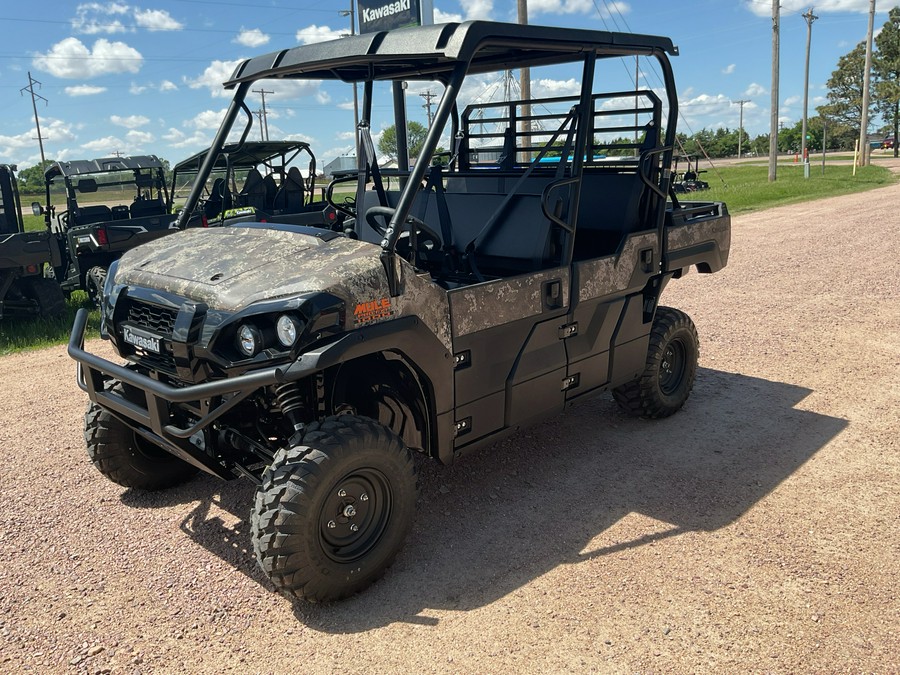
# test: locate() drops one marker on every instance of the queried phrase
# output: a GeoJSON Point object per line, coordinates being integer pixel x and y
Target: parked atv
{"type": "Point", "coordinates": [112, 205]}
{"type": "Point", "coordinates": [23, 256]}
{"type": "Point", "coordinates": [256, 181]}
{"type": "Point", "coordinates": [456, 304]}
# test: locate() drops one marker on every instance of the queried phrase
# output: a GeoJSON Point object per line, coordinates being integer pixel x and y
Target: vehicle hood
{"type": "Point", "coordinates": [230, 268]}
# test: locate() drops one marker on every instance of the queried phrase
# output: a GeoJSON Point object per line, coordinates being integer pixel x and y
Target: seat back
{"type": "Point", "coordinates": [147, 207]}
{"type": "Point", "coordinates": [290, 196]}
{"type": "Point", "coordinates": [86, 215]}
{"type": "Point", "coordinates": [254, 191]}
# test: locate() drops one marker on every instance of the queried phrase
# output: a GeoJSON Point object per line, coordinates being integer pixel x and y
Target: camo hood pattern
{"type": "Point", "coordinates": [231, 268]}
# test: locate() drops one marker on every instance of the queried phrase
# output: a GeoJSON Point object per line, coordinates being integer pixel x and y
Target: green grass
{"type": "Point", "coordinates": [747, 188]}
{"type": "Point", "coordinates": [33, 223]}
{"type": "Point", "coordinates": [23, 334]}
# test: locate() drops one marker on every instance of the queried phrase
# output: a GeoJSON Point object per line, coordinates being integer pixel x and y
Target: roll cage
{"type": "Point", "coordinates": [448, 54]}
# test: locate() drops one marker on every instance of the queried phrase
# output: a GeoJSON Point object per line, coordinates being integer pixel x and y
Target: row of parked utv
{"type": "Point", "coordinates": [115, 204]}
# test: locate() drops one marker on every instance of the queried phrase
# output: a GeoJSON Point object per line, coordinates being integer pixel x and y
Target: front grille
{"type": "Point", "coordinates": [157, 319]}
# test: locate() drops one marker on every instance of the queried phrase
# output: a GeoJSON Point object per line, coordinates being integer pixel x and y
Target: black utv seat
{"type": "Point", "coordinates": [147, 207]}
{"type": "Point", "coordinates": [254, 191]}
{"type": "Point", "coordinates": [219, 199]}
{"type": "Point", "coordinates": [290, 196]}
{"type": "Point", "coordinates": [92, 214]}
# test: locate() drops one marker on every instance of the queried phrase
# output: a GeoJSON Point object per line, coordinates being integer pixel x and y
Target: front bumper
{"type": "Point", "coordinates": [208, 401]}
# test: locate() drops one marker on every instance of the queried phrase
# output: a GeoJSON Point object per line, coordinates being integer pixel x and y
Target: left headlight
{"type": "Point", "coordinates": [249, 339]}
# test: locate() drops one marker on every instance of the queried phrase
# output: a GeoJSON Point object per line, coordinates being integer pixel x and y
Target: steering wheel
{"type": "Point", "coordinates": [386, 212]}
{"type": "Point", "coordinates": [348, 206]}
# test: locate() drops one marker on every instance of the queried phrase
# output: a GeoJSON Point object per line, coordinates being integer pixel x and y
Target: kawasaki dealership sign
{"type": "Point", "coordinates": [375, 15]}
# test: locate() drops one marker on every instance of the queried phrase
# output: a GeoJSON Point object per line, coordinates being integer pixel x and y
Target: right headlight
{"type": "Point", "coordinates": [287, 329]}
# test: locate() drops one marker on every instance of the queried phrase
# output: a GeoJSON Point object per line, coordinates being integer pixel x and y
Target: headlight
{"type": "Point", "coordinates": [249, 339]}
{"type": "Point", "coordinates": [287, 328]}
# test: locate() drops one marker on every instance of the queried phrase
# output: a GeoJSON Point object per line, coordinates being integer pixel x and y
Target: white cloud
{"type": "Point", "coordinates": [71, 59]}
{"type": "Point", "coordinates": [251, 37]}
{"type": "Point", "coordinates": [104, 146]}
{"type": "Point", "coordinates": [323, 97]}
{"type": "Point", "coordinates": [545, 88]}
{"type": "Point", "coordinates": [797, 6]}
{"type": "Point", "coordinates": [136, 89]}
{"type": "Point", "coordinates": [166, 85]}
{"type": "Point", "coordinates": [178, 139]}
{"type": "Point", "coordinates": [446, 17]}
{"type": "Point", "coordinates": [139, 138]}
{"type": "Point", "coordinates": [130, 122]}
{"type": "Point", "coordinates": [88, 22]}
{"type": "Point", "coordinates": [315, 33]}
{"type": "Point", "coordinates": [477, 9]}
{"type": "Point", "coordinates": [212, 78]}
{"type": "Point", "coordinates": [755, 90]}
{"type": "Point", "coordinates": [561, 6]}
{"type": "Point", "coordinates": [345, 136]}
{"type": "Point", "coordinates": [705, 101]}
{"type": "Point", "coordinates": [206, 120]}
{"type": "Point", "coordinates": [345, 105]}
{"type": "Point", "coordinates": [791, 100]}
{"type": "Point", "coordinates": [729, 69]}
{"type": "Point", "coordinates": [84, 90]}
{"type": "Point", "coordinates": [156, 20]}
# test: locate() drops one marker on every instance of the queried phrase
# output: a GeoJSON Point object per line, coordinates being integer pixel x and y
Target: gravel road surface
{"type": "Point", "coordinates": [756, 530]}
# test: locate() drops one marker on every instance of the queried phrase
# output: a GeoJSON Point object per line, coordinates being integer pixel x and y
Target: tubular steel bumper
{"type": "Point", "coordinates": [217, 397]}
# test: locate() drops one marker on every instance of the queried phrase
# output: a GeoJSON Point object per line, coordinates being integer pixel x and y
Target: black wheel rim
{"type": "Point", "coordinates": [355, 515]}
{"type": "Point", "coordinates": [671, 367]}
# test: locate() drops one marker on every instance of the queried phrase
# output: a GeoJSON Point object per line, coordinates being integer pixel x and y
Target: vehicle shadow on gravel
{"type": "Point", "coordinates": [503, 517]}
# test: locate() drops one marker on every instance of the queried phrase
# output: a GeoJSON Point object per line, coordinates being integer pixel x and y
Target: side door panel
{"type": "Point", "coordinates": [510, 359]}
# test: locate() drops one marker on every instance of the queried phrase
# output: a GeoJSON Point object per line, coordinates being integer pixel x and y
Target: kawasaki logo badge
{"type": "Point", "coordinates": [138, 338]}
{"type": "Point", "coordinates": [378, 15]}
{"type": "Point", "coordinates": [385, 10]}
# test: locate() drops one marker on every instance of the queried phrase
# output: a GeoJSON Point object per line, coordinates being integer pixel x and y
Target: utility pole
{"type": "Point", "coordinates": [264, 118]}
{"type": "Point", "coordinates": [741, 126]}
{"type": "Point", "coordinates": [810, 17]}
{"type": "Point", "coordinates": [864, 120]}
{"type": "Point", "coordinates": [37, 122]}
{"type": "Point", "coordinates": [259, 115]}
{"type": "Point", "coordinates": [773, 122]}
{"type": "Point", "coordinates": [352, 14]}
{"type": "Point", "coordinates": [525, 81]}
{"type": "Point", "coordinates": [428, 96]}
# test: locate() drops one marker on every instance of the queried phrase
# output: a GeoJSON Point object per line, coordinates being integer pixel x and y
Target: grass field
{"type": "Point", "coordinates": [17, 334]}
{"type": "Point", "coordinates": [747, 188]}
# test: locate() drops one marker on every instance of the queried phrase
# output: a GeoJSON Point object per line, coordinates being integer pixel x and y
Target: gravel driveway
{"type": "Point", "coordinates": [756, 530]}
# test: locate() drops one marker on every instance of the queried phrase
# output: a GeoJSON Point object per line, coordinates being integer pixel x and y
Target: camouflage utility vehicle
{"type": "Point", "coordinates": [481, 291]}
{"type": "Point", "coordinates": [112, 205]}
{"type": "Point", "coordinates": [256, 181]}
{"type": "Point", "coordinates": [23, 256]}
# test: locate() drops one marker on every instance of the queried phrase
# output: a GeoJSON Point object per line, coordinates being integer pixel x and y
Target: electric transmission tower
{"type": "Point", "coordinates": [34, 97]}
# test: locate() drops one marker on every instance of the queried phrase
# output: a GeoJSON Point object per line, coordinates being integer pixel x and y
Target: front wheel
{"type": "Point", "coordinates": [47, 295]}
{"type": "Point", "coordinates": [128, 459]}
{"type": "Point", "coordinates": [670, 369]}
{"type": "Point", "coordinates": [331, 514]}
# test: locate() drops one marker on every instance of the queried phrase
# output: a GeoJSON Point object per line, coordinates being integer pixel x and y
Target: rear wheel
{"type": "Point", "coordinates": [47, 294]}
{"type": "Point", "coordinates": [670, 370]}
{"type": "Point", "coordinates": [331, 514]}
{"type": "Point", "coordinates": [127, 458]}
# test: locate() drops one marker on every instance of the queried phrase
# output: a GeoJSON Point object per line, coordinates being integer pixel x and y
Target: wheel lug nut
{"type": "Point", "coordinates": [331, 524]}
{"type": "Point", "coordinates": [342, 492]}
{"type": "Point", "coordinates": [354, 527]}
{"type": "Point", "coordinates": [364, 497]}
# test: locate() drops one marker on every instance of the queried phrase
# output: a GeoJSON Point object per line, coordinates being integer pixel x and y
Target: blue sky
{"type": "Point", "coordinates": [141, 78]}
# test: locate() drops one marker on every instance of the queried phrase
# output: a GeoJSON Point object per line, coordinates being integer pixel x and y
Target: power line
{"type": "Point", "coordinates": [264, 119]}
{"type": "Point", "coordinates": [809, 17]}
{"type": "Point", "coordinates": [428, 96]}
{"type": "Point", "coordinates": [34, 97]}
{"type": "Point", "coordinates": [741, 124]}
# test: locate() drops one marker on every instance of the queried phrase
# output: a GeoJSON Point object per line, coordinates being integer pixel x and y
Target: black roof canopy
{"type": "Point", "coordinates": [79, 167]}
{"type": "Point", "coordinates": [247, 155]}
{"type": "Point", "coordinates": [431, 52]}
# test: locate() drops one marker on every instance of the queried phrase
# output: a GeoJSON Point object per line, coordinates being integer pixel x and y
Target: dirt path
{"type": "Point", "coordinates": [756, 530]}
